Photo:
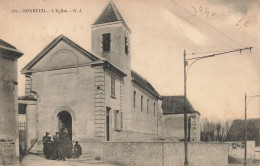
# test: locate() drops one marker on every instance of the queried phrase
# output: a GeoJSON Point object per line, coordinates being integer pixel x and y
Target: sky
{"type": "Point", "coordinates": [161, 31]}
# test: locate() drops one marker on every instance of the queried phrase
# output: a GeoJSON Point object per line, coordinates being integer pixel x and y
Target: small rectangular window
{"type": "Point", "coordinates": [113, 88]}
{"type": "Point", "coordinates": [147, 106]}
{"type": "Point", "coordinates": [154, 109]}
{"type": "Point", "coordinates": [106, 42]}
{"type": "Point", "coordinates": [142, 102]}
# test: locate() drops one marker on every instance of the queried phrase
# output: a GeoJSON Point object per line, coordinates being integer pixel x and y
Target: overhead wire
{"type": "Point", "coordinates": [190, 17]}
{"type": "Point", "coordinates": [209, 25]}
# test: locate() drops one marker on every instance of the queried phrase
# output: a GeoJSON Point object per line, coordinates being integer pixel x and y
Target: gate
{"type": "Point", "coordinates": [22, 135]}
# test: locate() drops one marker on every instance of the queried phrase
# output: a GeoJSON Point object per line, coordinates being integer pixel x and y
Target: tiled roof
{"type": "Point", "coordinates": [110, 14]}
{"type": "Point", "coordinates": [8, 49]}
{"type": "Point", "coordinates": [5, 44]}
{"type": "Point", "coordinates": [31, 98]}
{"type": "Point", "coordinates": [139, 80]}
{"type": "Point", "coordinates": [175, 104]}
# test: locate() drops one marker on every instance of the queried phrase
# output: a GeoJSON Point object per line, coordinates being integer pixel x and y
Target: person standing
{"type": "Point", "coordinates": [48, 148]}
{"type": "Point", "coordinates": [77, 150]}
{"type": "Point", "coordinates": [66, 141]}
{"type": "Point", "coordinates": [55, 146]}
{"type": "Point", "coordinates": [44, 141]}
{"type": "Point", "coordinates": [63, 137]}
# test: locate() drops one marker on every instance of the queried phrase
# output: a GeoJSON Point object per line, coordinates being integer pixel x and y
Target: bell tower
{"type": "Point", "coordinates": [110, 38]}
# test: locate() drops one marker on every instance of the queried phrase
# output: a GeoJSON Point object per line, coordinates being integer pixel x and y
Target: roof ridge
{"type": "Point", "coordinates": [92, 55]}
{"type": "Point", "coordinates": [172, 95]}
{"type": "Point", "coordinates": [5, 44]}
{"type": "Point", "coordinates": [139, 75]}
{"type": "Point", "coordinates": [152, 89]}
{"type": "Point", "coordinates": [118, 15]}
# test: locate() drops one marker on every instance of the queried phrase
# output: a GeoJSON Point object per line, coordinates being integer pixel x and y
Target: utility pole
{"type": "Point", "coordinates": [245, 133]}
{"type": "Point", "coordinates": [185, 64]}
{"type": "Point", "coordinates": [186, 163]}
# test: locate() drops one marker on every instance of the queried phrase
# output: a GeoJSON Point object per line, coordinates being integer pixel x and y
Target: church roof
{"type": "Point", "coordinates": [139, 80]}
{"type": "Point", "coordinates": [9, 49]}
{"type": "Point", "coordinates": [174, 105]}
{"type": "Point", "coordinates": [109, 14]}
{"type": "Point", "coordinates": [96, 59]}
{"type": "Point", "coordinates": [237, 130]}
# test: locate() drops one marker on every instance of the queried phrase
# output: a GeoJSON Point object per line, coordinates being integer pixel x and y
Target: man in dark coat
{"type": "Point", "coordinates": [44, 140]}
{"type": "Point", "coordinates": [63, 141]}
{"type": "Point", "coordinates": [55, 146]}
{"type": "Point", "coordinates": [48, 148]}
{"type": "Point", "coordinates": [77, 150]}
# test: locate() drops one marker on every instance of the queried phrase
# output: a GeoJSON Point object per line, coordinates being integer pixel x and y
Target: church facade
{"type": "Point", "coordinates": [94, 94]}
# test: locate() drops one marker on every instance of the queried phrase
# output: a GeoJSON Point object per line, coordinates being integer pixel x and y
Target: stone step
{"type": "Point", "coordinates": [37, 153]}
{"type": "Point", "coordinates": [85, 157]}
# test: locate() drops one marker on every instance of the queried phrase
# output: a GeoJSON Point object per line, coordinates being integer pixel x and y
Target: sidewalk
{"type": "Point", "coordinates": [34, 160]}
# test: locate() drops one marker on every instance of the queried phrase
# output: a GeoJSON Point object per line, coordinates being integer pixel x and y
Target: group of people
{"type": "Point", "coordinates": [60, 147]}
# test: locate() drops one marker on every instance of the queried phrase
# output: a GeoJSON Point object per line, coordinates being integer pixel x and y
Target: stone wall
{"type": "Point", "coordinates": [9, 140]}
{"type": "Point", "coordinates": [165, 153]}
{"type": "Point", "coordinates": [7, 151]}
{"type": "Point", "coordinates": [237, 149]}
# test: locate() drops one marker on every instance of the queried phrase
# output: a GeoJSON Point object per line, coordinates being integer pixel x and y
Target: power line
{"type": "Point", "coordinates": [191, 19]}
{"type": "Point", "coordinates": [208, 25]}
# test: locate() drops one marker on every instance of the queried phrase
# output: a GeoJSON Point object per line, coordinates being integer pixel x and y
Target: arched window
{"type": "Point", "coordinates": [134, 98]}
{"type": "Point", "coordinates": [147, 106]}
{"type": "Point", "coordinates": [154, 109]}
{"type": "Point", "coordinates": [142, 102]}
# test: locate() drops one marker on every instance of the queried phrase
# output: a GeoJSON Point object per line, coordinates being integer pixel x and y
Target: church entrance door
{"type": "Point", "coordinates": [65, 121]}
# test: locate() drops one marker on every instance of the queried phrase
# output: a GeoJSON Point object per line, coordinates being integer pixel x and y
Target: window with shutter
{"type": "Point", "coordinates": [115, 120]}
{"type": "Point", "coordinates": [113, 88]}
{"type": "Point", "coordinates": [118, 120]}
{"type": "Point", "coordinates": [121, 120]}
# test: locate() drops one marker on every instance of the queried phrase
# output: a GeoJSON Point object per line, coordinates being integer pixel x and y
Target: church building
{"type": "Point", "coordinates": [94, 94]}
